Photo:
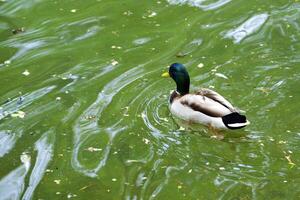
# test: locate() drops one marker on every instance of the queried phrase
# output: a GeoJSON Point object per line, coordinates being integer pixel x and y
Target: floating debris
{"type": "Point", "coordinates": [18, 30]}
{"type": "Point", "coordinates": [114, 62]}
{"type": "Point", "coordinates": [128, 13]}
{"type": "Point", "coordinates": [264, 90]}
{"type": "Point", "coordinates": [236, 168]}
{"type": "Point", "coordinates": [141, 41]}
{"type": "Point", "coordinates": [181, 55]}
{"type": "Point", "coordinates": [7, 62]}
{"type": "Point", "coordinates": [73, 11]}
{"type": "Point", "coordinates": [84, 187]}
{"type": "Point", "coordinates": [200, 65]}
{"type": "Point", "coordinates": [25, 159]}
{"type": "Point", "coordinates": [19, 114]}
{"type": "Point", "coordinates": [153, 14]}
{"type": "Point", "coordinates": [179, 186]}
{"type": "Point", "coordinates": [114, 179]}
{"type": "Point", "coordinates": [20, 100]}
{"type": "Point", "coordinates": [58, 98]}
{"type": "Point", "coordinates": [68, 76]}
{"type": "Point", "coordinates": [221, 75]}
{"type": "Point", "coordinates": [181, 128]}
{"type": "Point", "coordinates": [71, 195]}
{"type": "Point", "coordinates": [271, 139]}
{"type": "Point", "coordinates": [290, 162]}
{"type": "Point", "coordinates": [146, 141]}
{"type": "Point", "coordinates": [26, 73]}
{"type": "Point", "coordinates": [190, 171]}
{"type": "Point", "coordinates": [261, 144]}
{"type": "Point", "coordinates": [222, 168]}
{"type": "Point", "coordinates": [57, 181]}
{"type": "Point", "coordinates": [93, 149]}
{"type": "Point", "coordinates": [165, 119]}
{"type": "Point", "coordinates": [90, 117]}
{"type": "Point", "coordinates": [282, 142]}
{"type": "Point", "coordinates": [116, 47]}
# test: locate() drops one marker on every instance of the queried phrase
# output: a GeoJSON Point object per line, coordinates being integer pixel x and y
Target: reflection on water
{"type": "Point", "coordinates": [12, 185]}
{"type": "Point", "coordinates": [202, 3]}
{"type": "Point", "coordinates": [22, 101]}
{"type": "Point", "coordinates": [247, 28]}
{"type": "Point", "coordinates": [93, 110]}
{"type": "Point", "coordinates": [44, 153]}
{"type": "Point", "coordinates": [86, 127]}
{"type": "Point", "coordinates": [7, 141]}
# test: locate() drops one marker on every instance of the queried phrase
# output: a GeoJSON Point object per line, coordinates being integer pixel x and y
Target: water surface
{"type": "Point", "coordinates": [84, 111]}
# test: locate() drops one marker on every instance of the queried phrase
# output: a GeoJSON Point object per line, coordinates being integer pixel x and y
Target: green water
{"type": "Point", "coordinates": [86, 74]}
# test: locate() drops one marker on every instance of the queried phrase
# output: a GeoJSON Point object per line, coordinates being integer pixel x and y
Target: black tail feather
{"type": "Point", "coordinates": [234, 118]}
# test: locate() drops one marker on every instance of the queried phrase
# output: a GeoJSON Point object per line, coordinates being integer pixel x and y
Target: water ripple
{"type": "Point", "coordinates": [23, 101]}
{"type": "Point", "coordinates": [7, 141]}
{"type": "Point", "coordinates": [201, 3]}
{"type": "Point", "coordinates": [12, 185]}
{"type": "Point", "coordinates": [44, 146]}
{"type": "Point", "coordinates": [84, 128]}
{"type": "Point", "coordinates": [249, 27]}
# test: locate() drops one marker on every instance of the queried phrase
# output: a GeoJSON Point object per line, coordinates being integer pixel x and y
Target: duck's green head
{"type": "Point", "coordinates": [180, 75]}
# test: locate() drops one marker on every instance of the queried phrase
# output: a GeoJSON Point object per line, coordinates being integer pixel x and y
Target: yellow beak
{"type": "Point", "coordinates": [165, 75]}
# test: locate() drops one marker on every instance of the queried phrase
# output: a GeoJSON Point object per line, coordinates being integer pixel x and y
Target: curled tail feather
{"type": "Point", "coordinates": [235, 121]}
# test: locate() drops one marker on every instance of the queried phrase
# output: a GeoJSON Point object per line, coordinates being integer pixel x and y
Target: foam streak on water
{"type": "Point", "coordinates": [12, 185]}
{"type": "Point", "coordinates": [44, 147]}
{"type": "Point", "coordinates": [201, 3]}
{"type": "Point", "coordinates": [7, 141]}
{"type": "Point", "coordinates": [249, 27]}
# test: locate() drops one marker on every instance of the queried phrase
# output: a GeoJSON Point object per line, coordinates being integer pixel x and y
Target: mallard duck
{"type": "Point", "coordinates": [205, 106]}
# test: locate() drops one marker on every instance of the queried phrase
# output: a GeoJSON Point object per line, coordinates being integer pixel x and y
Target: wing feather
{"type": "Point", "coordinates": [216, 97]}
{"type": "Point", "coordinates": [204, 105]}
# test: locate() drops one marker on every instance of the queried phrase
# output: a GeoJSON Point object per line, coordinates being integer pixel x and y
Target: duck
{"type": "Point", "coordinates": [204, 106]}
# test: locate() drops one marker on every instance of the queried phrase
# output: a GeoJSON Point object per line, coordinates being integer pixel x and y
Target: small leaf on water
{"type": "Point", "coordinates": [200, 65]}
{"type": "Point", "coordinates": [92, 149]}
{"type": "Point", "coordinates": [181, 128]}
{"type": "Point", "coordinates": [19, 114]}
{"type": "Point", "coordinates": [221, 75]}
{"type": "Point", "coordinates": [26, 73]}
{"type": "Point", "coordinates": [153, 14]}
{"type": "Point", "coordinates": [7, 62]}
{"type": "Point", "coordinates": [146, 141]}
